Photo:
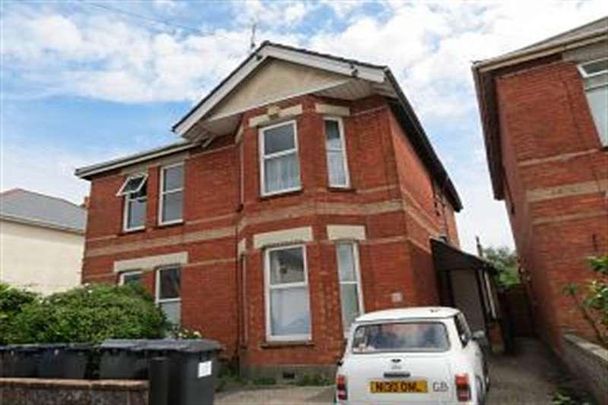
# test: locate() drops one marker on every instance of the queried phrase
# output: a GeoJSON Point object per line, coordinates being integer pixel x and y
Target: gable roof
{"type": "Point", "coordinates": [484, 72]}
{"type": "Point", "coordinates": [37, 209]}
{"type": "Point", "coordinates": [362, 77]}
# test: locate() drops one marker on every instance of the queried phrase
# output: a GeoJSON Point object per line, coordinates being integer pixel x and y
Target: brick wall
{"type": "Point", "coordinates": [556, 177]}
{"type": "Point", "coordinates": [391, 196]}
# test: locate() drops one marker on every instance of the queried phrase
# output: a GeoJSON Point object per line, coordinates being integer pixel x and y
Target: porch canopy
{"type": "Point", "coordinates": [465, 283]}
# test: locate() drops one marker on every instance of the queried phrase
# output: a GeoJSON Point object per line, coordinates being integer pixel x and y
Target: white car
{"type": "Point", "coordinates": [412, 355]}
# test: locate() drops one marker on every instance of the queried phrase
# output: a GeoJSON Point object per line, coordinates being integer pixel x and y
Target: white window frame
{"type": "Point", "coordinates": [121, 190]}
{"type": "Point", "coordinates": [128, 198]}
{"type": "Point", "coordinates": [344, 154]}
{"type": "Point", "coordinates": [159, 300]}
{"type": "Point", "coordinates": [127, 273]}
{"type": "Point", "coordinates": [267, 287]}
{"type": "Point", "coordinates": [586, 87]}
{"type": "Point", "coordinates": [163, 192]}
{"type": "Point", "coordinates": [357, 281]}
{"type": "Point", "coordinates": [264, 157]}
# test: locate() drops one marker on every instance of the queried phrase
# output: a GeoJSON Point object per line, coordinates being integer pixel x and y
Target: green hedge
{"type": "Point", "coordinates": [89, 313]}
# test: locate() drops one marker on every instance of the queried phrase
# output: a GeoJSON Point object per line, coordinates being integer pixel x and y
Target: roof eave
{"type": "Point", "coordinates": [41, 224]}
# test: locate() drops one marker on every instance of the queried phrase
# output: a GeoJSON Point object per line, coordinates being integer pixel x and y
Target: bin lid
{"type": "Point", "coordinates": [113, 344]}
{"type": "Point", "coordinates": [52, 346]}
{"type": "Point", "coordinates": [182, 345]}
{"type": "Point", "coordinates": [79, 346]}
{"type": "Point", "coordinates": [29, 347]}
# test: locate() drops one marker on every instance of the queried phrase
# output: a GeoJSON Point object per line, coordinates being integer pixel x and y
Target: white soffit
{"type": "Point", "coordinates": [282, 237]}
{"type": "Point", "coordinates": [150, 262]}
{"type": "Point", "coordinates": [351, 232]}
{"type": "Point", "coordinates": [351, 69]}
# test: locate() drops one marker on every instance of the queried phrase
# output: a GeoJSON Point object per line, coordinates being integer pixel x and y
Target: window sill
{"type": "Point", "coordinates": [170, 224]}
{"type": "Point", "coordinates": [131, 231]}
{"type": "Point", "coordinates": [288, 343]}
{"type": "Point", "coordinates": [280, 194]}
{"type": "Point", "coordinates": [342, 189]}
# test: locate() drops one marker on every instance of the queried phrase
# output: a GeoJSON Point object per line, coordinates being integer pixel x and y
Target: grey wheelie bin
{"type": "Point", "coordinates": [51, 360]}
{"type": "Point", "coordinates": [3, 361]}
{"type": "Point", "coordinates": [21, 361]}
{"type": "Point", "coordinates": [121, 359]}
{"type": "Point", "coordinates": [192, 366]}
{"type": "Point", "coordinates": [76, 360]}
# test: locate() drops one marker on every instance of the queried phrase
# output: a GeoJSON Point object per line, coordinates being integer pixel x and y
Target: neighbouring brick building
{"type": "Point", "coordinates": [545, 117]}
{"type": "Point", "coordinates": [305, 192]}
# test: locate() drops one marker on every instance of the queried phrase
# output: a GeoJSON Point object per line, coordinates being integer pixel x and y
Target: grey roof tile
{"type": "Point", "coordinates": [40, 209]}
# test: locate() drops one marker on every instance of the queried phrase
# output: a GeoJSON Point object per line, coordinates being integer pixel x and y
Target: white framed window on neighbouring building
{"type": "Point", "coordinates": [171, 204]}
{"type": "Point", "coordinates": [595, 77]}
{"type": "Point", "coordinates": [130, 277]}
{"type": "Point", "coordinates": [351, 297]}
{"type": "Point", "coordinates": [168, 292]}
{"type": "Point", "coordinates": [287, 298]}
{"type": "Point", "coordinates": [135, 194]}
{"type": "Point", "coordinates": [335, 147]}
{"type": "Point", "coordinates": [279, 163]}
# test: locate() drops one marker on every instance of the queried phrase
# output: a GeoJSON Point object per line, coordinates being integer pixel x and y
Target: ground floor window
{"type": "Point", "coordinates": [130, 277]}
{"type": "Point", "coordinates": [287, 303]}
{"type": "Point", "coordinates": [168, 292]}
{"type": "Point", "coordinates": [351, 299]}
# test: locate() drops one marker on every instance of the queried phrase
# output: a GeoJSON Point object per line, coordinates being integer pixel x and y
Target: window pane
{"type": "Point", "coordinates": [402, 337]}
{"type": "Point", "coordinates": [286, 266]}
{"type": "Point", "coordinates": [281, 173]}
{"type": "Point", "coordinates": [173, 178]}
{"type": "Point", "coordinates": [172, 311]}
{"type": "Point", "coordinates": [278, 139]}
{"type": "Point", "coordinates": [596, 67]}
{"type": "Point", "coordinates": [169, 280]}
{"type": "Point", "coordinates": [133, 184]}
{"type": "Point", "coordinates": [332, 135]}
{"type": "Point", "coordinates": [346, 262]}
{"type": "Point", "coordinates": [136, 212]}
{"type": "Point", "coordinates": [131, 278]}
{"type": "Point", "coordinates": [289, 312]}
{"type": "Point", "coordinates": [349, 299]}
{"type": "Point", "coordinates": [172, 206]}
{"type": "Point", "coordinates": [336, 169]}
{"type": "Point", "coordinates": [598, 102]}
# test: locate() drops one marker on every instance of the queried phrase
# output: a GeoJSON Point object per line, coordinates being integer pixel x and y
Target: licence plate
{"type": "Point", "coordinates": [398, 387]}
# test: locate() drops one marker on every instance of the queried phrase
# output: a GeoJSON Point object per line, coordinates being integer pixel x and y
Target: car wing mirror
{"type": "Point", "coordinates": [479, 335]}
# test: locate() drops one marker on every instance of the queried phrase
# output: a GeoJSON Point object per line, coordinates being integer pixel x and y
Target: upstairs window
{"type": "Point", "coordinates": [335, 146]}
{"type": "Point", "coordinates": [134, 191]}
{"type": "Point", "coordinates": [171, 194]}
{"type": "Point", "coordinates": [130, 277]}
{"type": "Point", "coordinates": [279, 165]}
{"type": "Point", "coordinates": [287, 306]}
{"type": "Point", "coordinates": [595, 77]}
{"type": "Point", "coordinates": [168, 293]}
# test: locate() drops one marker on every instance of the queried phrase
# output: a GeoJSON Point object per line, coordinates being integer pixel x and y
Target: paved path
{"type": "Point", "coordinates": [531, 376]}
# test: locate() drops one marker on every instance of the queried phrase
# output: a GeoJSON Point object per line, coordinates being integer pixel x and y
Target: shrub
{"type": "Point", "coordinates": [593, 303]}
{"type": "Point", "coordinates": [90, 313]}
{"type": "Point", "coordinates": [11, 302]}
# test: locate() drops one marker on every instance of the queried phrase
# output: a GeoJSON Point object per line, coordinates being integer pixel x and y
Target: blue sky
{"type": "Point", "coordinates": [85, 81]}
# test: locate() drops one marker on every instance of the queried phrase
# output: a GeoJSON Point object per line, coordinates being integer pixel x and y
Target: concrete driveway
{"type": "Point", "coordinates": [532, 376]}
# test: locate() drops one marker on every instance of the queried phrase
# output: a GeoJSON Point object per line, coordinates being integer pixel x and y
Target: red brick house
{"type": "Point", "coordinates": [304, 192]}
{"type": "Point", "coordinates": [544, 111]}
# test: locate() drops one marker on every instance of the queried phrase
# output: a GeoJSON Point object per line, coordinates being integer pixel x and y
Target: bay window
{"type": "Point", "coordinates": [171, 194]}
{"type": "Point", "coordinates": [287, 303]}
{"type": "Point", "coordinates": [168, 292]}
{"type": "Point", "coordinates": [351, 300]}
{"type": "Point", "coordinates": [279, 164]}
{"type": "Point", "coordinates": [335, 147]}
{"type": "Point", "coordinates": [134, 192]}
{"type": "Point", "coordinates": [595, 77]}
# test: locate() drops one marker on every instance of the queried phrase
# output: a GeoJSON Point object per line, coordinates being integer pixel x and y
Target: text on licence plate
{"type": "Point", "coordinates": [398, 386]}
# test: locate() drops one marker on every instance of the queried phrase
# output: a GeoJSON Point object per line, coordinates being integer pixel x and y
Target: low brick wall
{"type": "Point", "coordinates": [589, 362]}
{"type": "Point", "coordinates": [37, 391]}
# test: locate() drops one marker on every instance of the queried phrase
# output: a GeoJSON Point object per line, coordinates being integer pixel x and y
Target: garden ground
{"type": "Point", "coordinates": [532, 376]}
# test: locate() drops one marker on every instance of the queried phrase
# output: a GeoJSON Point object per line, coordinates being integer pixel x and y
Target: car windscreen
{"type": "Point", "coordinates": [401, 337]}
